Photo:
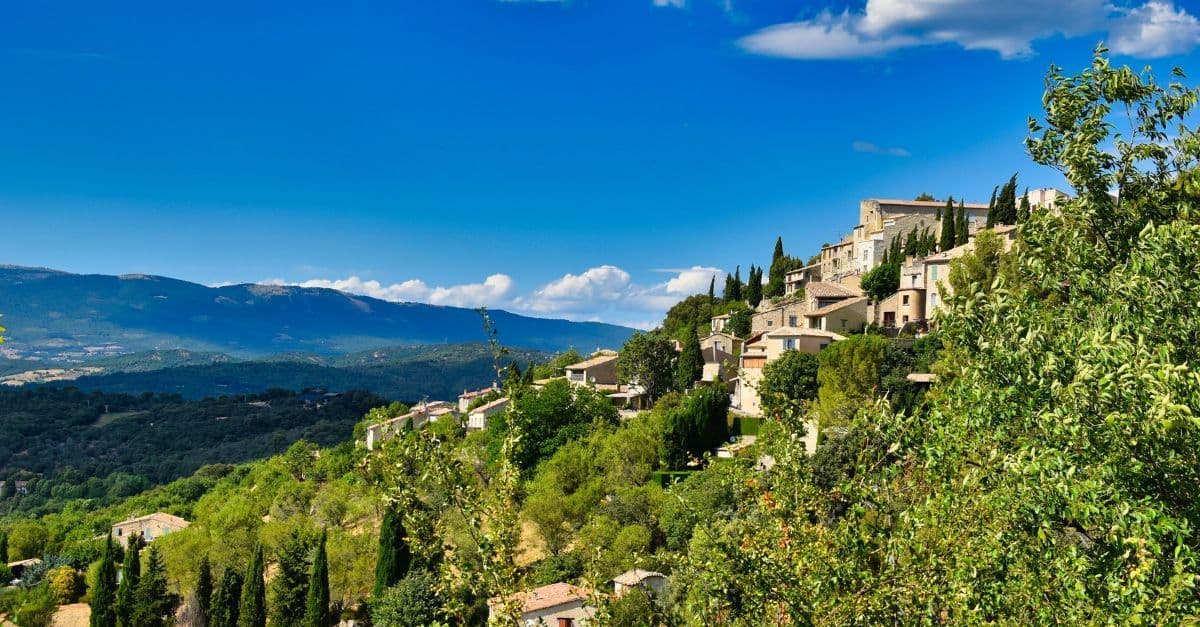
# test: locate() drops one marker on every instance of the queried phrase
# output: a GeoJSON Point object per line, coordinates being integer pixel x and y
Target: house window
{"type": "Point", "coordinates": [770, 323]}
{"type": "Point", "coordinates": [905, 299]}
{"type": "Point", "coordinates": [822, 347]}
{"type": "Point", "coordinates": [843, 323]}
{"type": "Point", "coordinates": [904, 320]}
{"type": "Point", "coordinates": [933, 272]}
{"type": "Point", "coordinates": [791, 321]}
{"type": "Point", "coordinates": [720, 345]}
{"type": "Point", "coordinates": [789, 344]}
{"type": "Point", "coordinates": [933, 300]}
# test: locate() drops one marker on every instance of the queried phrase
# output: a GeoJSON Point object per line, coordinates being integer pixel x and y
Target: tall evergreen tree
{"type": "Point", "coordinates": [154, 605]}
{"type": "Point", "coordinates": [690, 365]}
{"type": "Point", "coordinates": [910, 243]}
{"type": "Point", "coordinates": [252, 610]}
{"type": "Point", "coordinates": [316, 612]}
{"type": "Point", "coordinates": [4, 545]}
{"type": "Point", "coordinates": [754, 287]}
{"type": "Point", "coordinates": [104, 593]}
{"type": "Point", "coordinates": [946, 241]}
{"type": "Point", "coordinates": [712, 291]}
{"type": "Point", "coordinates": [1006, 203]}
{"type": "Point", "coordinates": [962, 229]}
{"type": "Point", "coordinates": [394, 556]}
{"type": "Point", "coordinates": [1025, 210]}
{"type": "Point", "coordinates": [131, 570]}
{"type": "Point", "coordinates": [204, 592]}
{"type": "Point", "coordinates": [289, 585]}
{"type": "Point", "coordinates": [991, 218]}
{"type": "Point", "coordinates": [777, 274]}
{"type": "Point", "coordinates": [226, 600]}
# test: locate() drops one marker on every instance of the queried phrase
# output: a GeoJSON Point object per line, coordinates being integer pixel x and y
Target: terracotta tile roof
{"type": "Point", "coordinates": [822, 289]}
{"type": "Point", "coordinates": [496, 404]}
{"type": "Point", "coordinates": [548, 596]}
{"type": "Point", "coordinates": [835, 306]}
{"type": "Point", "coordinates": [790, 331]}
{"type": "Point", "coordinates": [158, 517]}
{"type": "Point", "coordinates": [479, 392]}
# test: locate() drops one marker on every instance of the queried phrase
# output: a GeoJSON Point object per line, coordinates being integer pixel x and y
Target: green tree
{"type": "Point", "coordinates": [790, 378]}
{"type": "Point", "coordinates": [848, 374]}
{"type": "Point", "coordinates": [739, 324]}
{"type": "Point", "coordinates": [946, 241]}
{"type": "Point", "coordinates": [776, 276]}
{"type": "Point", "coordinates": [252, 610]}
{"type": "Point", "coordinates": [925, 197]}
{"type": "Point", "coordinates": [1025, 209]}
{"type": "Point", "coordinates": [104, 591]}
{"type": "Point", "coordinates": [881, 281]}
{"type": "Point", "coordinates": [3, 547]}
{"type": "Point", "coordinates": [412, 602]}
{"type": "Point", "coordinates": [204, 592]}
{"type": "Point", "coordinates": [154, 604]}
{"type": "Point", "coordinates": [1006, 203]}
{"type": "Point", "coordinates": [316, 613]}
{"type": "Point", "coordinates": [648, 359]}
{"type": "Point", "coordinates": [395, 558]}
{"type": "Point", "coordinates": [733, 286]}
{"type": "Point", "coordinates": [289, 585]}
{"type": "Point", "coordinates": [696, 427]}
{"type": "Point", "coordinates": [690, 365]}
{"type": "Point", "coordinates": [962, 231]}
{"type": "Point", "coordinates": [131, 570]}
{"type": "Point", "coordinates": [26, 540]}
{"type": "Point", "coordinates": [226, 600]}
{"type": "Point", "coordinates": [910, 242]}
{"type": "Point", "coordinates": [754, 287]}
{"type": "Point", "coordinates": [991, 217]}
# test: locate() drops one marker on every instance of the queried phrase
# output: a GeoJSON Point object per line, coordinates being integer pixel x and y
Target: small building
{"type": "Point", "coordinates": [467, 397]}
{"type": "Point", "coordinates": [718, 323]}
{"type": "Point", "coordinates": [599, 370]}
{"type": "Point", "coordinates": [477, 419]}
{"type": "Point", "coordinates": [629, 399]}
{"type": "Point", "coordinates": [18, 568]}
{"type": "Point", "coordinates": [797, 280]}
{"type": "Point", "coordinates": [555, 605]}
{"type": "Point", "coordinates": [424, 413]}
{"type": "Point", "coordinates": [648, 580]}
{"type": "Point", "coordinates": [937, 268]}
{"type": "Point", "coordinates": [149, 527]}
{"type": "Point", "coordinates": [844, 316]}
{"type": "Point", "coordinates": [789, 313]}
{"type": "Point", "coordinates": [767, 347]}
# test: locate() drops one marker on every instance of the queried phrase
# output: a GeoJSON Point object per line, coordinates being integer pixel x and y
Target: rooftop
{"type": "Point", "coordinates": [635, 576]}
{"type": "Point", "coordinates": [549, 596]}
{"type": "Point", "coordinates": [156, 516]}
{"type": "Point", "coordinates": [804, 332]}
{"type": "Point", "coordinates": [822, 289]}
{"type": "Point", "coordinates": [836, 306]}
{"type": "Point", "coordinates": [925, 203]}
{"type": "Point", "coordinates": [594, 361]}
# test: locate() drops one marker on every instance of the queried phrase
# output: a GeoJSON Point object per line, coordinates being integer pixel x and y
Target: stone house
{"type": "Point", "coordinates": [149, 527]}
{"type": "Point", "coordinates": [762, 349]}
{"type": "Point", "coordinates": [477, 419]}
{"type": "Point", "coordinates": [648, 580]}
{"type": "Point", "coordinates": [600, 370]}
{"type": "Point", "coordinates": [555, 605]}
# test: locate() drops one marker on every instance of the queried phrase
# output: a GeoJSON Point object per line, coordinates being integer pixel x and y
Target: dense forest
{"type": "Point", "coordinates": [79, 445]}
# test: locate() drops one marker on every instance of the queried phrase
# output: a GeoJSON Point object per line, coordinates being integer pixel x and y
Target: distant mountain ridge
{"type": "Point", "coordinates": [57, 315]}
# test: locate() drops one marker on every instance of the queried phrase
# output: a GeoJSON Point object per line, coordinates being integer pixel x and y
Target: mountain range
{"type": "Point", "coordinates": [65, 317]}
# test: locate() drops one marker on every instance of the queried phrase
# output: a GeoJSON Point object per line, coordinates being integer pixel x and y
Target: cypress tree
{"type": "Point", "coordinates": [154, 605]}
{"type": "Point", "coordinates": [991, 219]}
{"type": "Point", "coordinates": [1006, 203]}
{"type": "Point", "coordinates": [204, 592]}
{"type": "Point", "coordinates": [754, 288]}
{"type": "Point", "coordinates": [946, 242]}
{"type": "Point", "coordinates": [131, 570]}
{"type": "Point", "coordinates": [777, 274]}
{"type": "Point", "coordinates": [104, 595]}
{"type": "Point", "coordinates": [1025, 211]}
{"type": "Point", "coordinates": [252, 610]}
{"type": "Point", "coordinates": [690, 366]}
{"type": "Point", "coordinates": [910, 243]}
{"type": "Point", "coordinates": [712, 291]}
{"type": "Point", "coordinates": [316, 613]}
{"type": "Point", "coordinates": [225, 601]}
{"type": "Point", "coordinates": [961, 230]}
{"type": "Point", "coordinates": [394, 557]}
{"type": "Point", "coordinates": [289, 585]}
{"type": "Point", "coordinates": [3, 548]}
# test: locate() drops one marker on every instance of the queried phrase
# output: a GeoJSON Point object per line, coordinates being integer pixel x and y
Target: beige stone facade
{"type": "Point", "coordinates": [767, 347]}
{"type": "Point", "coordinates": [149, 528]}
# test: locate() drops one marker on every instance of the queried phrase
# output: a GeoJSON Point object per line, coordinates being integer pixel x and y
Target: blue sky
{"type": "Point", "coordinates": [590, 159]}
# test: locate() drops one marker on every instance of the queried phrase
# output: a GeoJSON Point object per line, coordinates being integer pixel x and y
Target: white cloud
{"type": "Point", "coordinates": [1155, 29]}
{"type": "Point", "coordinates": [1007, 27]}
{"type": "Point", "coordinates": [875, 149]}
{"type": "Point", "coordinates": [603, 293]}
{"type": "Point", "coordinates": [495, 290]}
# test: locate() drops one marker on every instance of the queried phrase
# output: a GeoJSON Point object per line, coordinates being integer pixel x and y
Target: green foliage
{"type": "Point", "coordinates": [154, 603]}
{"type": "Point", "coordinates": [703, 496]}
{"type": "Point", "coordinates": [946, 241]}
{"type": "Point", "coordinates": [693, 312]}
{"type": "Point", "coordinates": [35, 607]}
{"type": "Point", "coordinates": [289, 584]}
{"type": "Point", "coordinates": [789, 379]}
{"type": "Point", "coordinates": [394, 558]}
{"type": "Point", "coordinates": [226, 600]}
{"type": "Point", "coordinates": [316, 612]}
{"type": "Point", "coordinates": [976, 271]}
{"type": "Point", "coordinates": [648, 359]}
{"type": "Point", "coordinates": [252, 610]}
{"type": "Point", "coordinates": [962, 232]}
{"type": "Point", "coordinates": [65, 584]}
{"type": "Point", "coordinates": [882, 280]}
{"type": "Point", "coordinates": [551, 417]}
{"type": "Point", "coordinates": [697, 427]}
{"type": "Point", "coordinates": [739, 324]}
{"type": "Point", "coordinates": [634, 608]}
{"type": "Point", "coordinates": [103, 591]}
{"type": "Point", "coordinates": [925, 197]}
{"type": "Point", "coordinates": [849, 375]}
{"type": "Point", "coordinates": [203, 592]}
{"type": "Point", "coordinates": [26, 539]}
{"type": "Point", "coordinates": [131, 569]}
{"type": "Point", "coordinates": [690, 365]}
{"type": "Point", "coordinates": [412, 602]}
{"type": "Point", "coordinates": [733, 286]}
{"type": "Point", "coordinates": [754, 287]}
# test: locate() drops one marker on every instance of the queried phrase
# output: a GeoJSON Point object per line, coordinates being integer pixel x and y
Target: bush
{"type": "Point", "coordinates": [65, 584]}
{"type": "Point", "coordinates": [411, 603]}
